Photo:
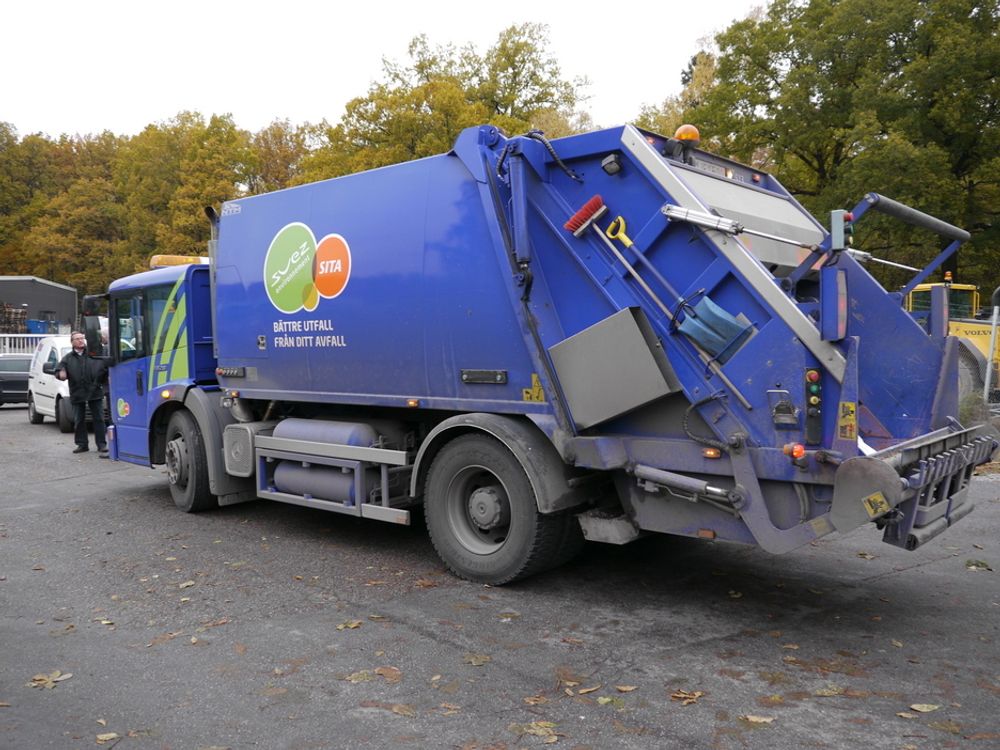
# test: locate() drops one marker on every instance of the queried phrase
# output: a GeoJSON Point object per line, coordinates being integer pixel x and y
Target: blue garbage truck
{"type": "Point", "coordinates": [543, 342]}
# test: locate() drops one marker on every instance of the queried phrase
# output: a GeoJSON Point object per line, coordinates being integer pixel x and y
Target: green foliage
{"type": "Point", "coordinates": [837, 97]}
{"type": "Point", "coordinates": [421, 107]}
{"type": "Point", "coordinates": [843, 97]}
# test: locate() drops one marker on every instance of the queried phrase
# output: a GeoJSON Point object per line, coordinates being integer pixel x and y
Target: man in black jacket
{"type": "Point", "coordinates": [86, 375]}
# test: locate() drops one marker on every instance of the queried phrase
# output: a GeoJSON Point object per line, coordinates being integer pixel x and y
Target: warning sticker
{"type": "Point", "coordinates": [536, 392]}
{"type": "Point", "coordinates": [847, 421]}
{"type": "Point", "coordinates": [875, 505]}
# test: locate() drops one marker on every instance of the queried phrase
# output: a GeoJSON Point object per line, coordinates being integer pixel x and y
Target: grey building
{"type": "Point", "coordinates": [29, 298]}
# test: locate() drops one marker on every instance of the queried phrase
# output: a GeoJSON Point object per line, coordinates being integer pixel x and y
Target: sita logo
{"type": "Point", "coordinates": [298, 270]}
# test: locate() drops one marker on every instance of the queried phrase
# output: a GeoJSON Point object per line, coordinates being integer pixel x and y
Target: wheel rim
{"type": "Point", "coordinates": [478, 510]}
{"type": "Point", "coordinates": [176, 460]}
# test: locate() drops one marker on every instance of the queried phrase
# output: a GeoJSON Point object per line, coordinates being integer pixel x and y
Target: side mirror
{"type": "Point", "coordinates": [49, 369]}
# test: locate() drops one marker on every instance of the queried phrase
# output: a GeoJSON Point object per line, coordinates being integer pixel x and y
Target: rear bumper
{"type": "Point", "coordinates": [913, 490]}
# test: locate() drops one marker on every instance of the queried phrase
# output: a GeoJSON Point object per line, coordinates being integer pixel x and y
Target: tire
{"type": "Point", "coordinates": [64, 415]}
{"type": "Point", "coordinates": [187, 466]}
{"type": "Point", "coordinates": [482, 516]}
{"type": "Point", "coordinates": [970, 377]}
{"type": "Point", "coordinates": [33, 416]}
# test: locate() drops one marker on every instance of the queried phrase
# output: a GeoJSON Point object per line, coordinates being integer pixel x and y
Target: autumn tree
{"type": "Point", "coordinates": [421, 106]}
{"type": "Point", "coordinates": [842, 97]}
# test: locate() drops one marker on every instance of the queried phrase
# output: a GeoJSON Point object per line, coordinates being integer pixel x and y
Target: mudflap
{"type": "Point", "coordinates": [913, 490]}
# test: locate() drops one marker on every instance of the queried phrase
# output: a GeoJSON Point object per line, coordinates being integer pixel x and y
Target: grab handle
{"type": "Point", "coordinates": [916, 218]}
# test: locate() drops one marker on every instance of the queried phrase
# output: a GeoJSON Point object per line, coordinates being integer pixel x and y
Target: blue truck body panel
{"type": "Point", "coordinates": [670, 317]}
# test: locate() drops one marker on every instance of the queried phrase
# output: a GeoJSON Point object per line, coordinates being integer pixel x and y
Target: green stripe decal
{"type": "Point", "coordinates": [179, 367]}
{"type": "Point", "coordinates": [169, 352]}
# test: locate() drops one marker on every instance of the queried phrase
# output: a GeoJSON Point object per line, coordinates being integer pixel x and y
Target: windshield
{"type": "Point", "coordinates": [14, 365]}
{"type": "Point", "coordinates": [959, 302]}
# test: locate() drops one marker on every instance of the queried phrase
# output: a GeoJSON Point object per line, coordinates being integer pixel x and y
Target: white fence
{"type": "Point", "coordinates": [20, 343]}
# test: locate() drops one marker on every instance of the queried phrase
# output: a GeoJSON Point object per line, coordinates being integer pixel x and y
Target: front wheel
{"type": "Point", "coordinates": [64, 415]}
{"type": "Point", "coordinates": [187, 467]}
{"type": "Point", "coordinates": [482, 515]}
{"type": "Point", "coordinates": [33, 416]}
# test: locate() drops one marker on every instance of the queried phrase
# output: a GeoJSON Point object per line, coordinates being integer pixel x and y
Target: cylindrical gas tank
{"type": "Point", "coordinates": [320, 482]}
{"type": "Point", "coordinates": [327, 431]}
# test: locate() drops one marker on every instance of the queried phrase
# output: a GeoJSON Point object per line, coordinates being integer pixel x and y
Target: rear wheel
{"type": "Point", "coordinates": [33, 416]}
{"type": "Point", "coordinates": [483, 518]}
{"type": "Point", "coordinates": [64, 415]}
{"type": "Point", "coordinates": [187, 467]}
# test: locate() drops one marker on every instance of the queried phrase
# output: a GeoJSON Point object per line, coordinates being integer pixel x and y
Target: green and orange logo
{"type": "Point", "coordinates": [298, 270]}
{"type": "Point", "coordinates": [123, 408]}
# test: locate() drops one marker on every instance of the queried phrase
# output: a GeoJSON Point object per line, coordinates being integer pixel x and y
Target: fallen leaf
{"type": "Point", "coordinates": [924, 708]}
{"type": "Point", "coordinates": [735, 594]}
{"type": "Point", "coordinates": [163, 638]}
{"type": "Point", "coordinates": [363, 676]}
{"type": "Point", "coordinates": [402, 709]}
{"type": "Point", "coordinates": [374, 582]}
{"type": "Point", "coordinates": [790, 646]}
{"type": "Point", "coordinates": [424, 583]}
{"type": "Point", "coordinates": [866, 555]}
{"type": "Point", "coordinates": [686, 697]}
{"type": "Point", "coordinates": [349, 625]}
{"type": "Point", "coordinates": [829, 691]}
{"type": "Point", "coordinates": [535, 700]}
{"type": "Point", "coordinates": [477, 660]}
{"type": "Point", "coordinates": [584, 691]}
{"type": "Point", "coordinates": [946, 726]}
{"type": "Point", "coordinates": [906, 715]}
{"type": "Point", "coordinates": [48, 681]}
{"type": "Point", "coordinates": [757, 719]}
{"type": "Point", "coordinates": [572, 641]}
{"type": "Point", "coordinates": [4, 704]}
{"type": "Point", "coordinates": [897, 644]}
{"type": "Point", "coordinates": [107, 737]}
{"type": "Point", "coordinates": [186, 585]}
{"type": "Point", "coordinates": [977, 565]}
{"type": "Point", "coordinates": [450, 709]}
{"type": "Point", "coordinates": [391, 674]}
{"type": "Point", "coordinates": [535, 729]}
{"type": "Point", "coordinates": [377, 618]}
{"type": "Point", "coordinates": [978, 546]}
{"type": "Point", "coordinates": [625, 688]}
{"type": "Point", "coordinates": [615, 701]}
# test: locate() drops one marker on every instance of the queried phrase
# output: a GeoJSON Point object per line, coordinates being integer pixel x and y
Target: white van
{"type": "Point", "coordinates": [47, 395]}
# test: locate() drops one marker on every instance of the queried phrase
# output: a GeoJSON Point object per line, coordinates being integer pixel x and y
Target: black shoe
{"type": "Point", "coordinates": [103, 455]}
{"type": "Point", "coordinates": [103, 449]}
{"type": "Point", "coordinates": [81, 449]}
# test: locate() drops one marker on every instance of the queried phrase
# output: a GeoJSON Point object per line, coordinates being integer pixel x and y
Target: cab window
{"type": "Point", "coordinates": [126, 329]}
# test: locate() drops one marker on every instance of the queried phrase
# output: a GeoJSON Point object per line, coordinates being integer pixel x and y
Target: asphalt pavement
{"type": "Point", "coordinates": [125, 623]}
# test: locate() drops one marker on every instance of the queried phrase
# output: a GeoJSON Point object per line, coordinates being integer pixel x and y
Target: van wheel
{"type": "Point", "coordinates": [187, 467]}
{"type": "Point", "coordinates": [64, 415]}
{"type": "Point", "coordinates": [482, 515]}
{"type": "Point", "coordinates": [33, 416]}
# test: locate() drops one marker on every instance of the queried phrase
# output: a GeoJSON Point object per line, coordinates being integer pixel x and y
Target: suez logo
{"type": "Point", "coordinates": [298, 270]}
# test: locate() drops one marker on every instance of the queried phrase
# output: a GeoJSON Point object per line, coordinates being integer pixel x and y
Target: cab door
{"type": "Point", "coordinates": [129, 376]}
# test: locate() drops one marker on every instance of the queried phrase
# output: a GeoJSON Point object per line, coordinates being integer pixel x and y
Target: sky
{"type": "Point", "coordinates": [79, 68]}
